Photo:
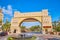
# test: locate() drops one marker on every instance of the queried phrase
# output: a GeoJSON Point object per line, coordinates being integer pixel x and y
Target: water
{"type": "Point", "coordinates": [32, 33]}
{"type": "Point", "coordinates": [53, 39]}
{"type": "Point", "coordinates": [41, 38]}
{"type": "Point", "coordinates": [28, 34]}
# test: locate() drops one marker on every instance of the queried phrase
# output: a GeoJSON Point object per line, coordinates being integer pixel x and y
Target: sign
{"type": "Point", "coordinates": [46, 26]}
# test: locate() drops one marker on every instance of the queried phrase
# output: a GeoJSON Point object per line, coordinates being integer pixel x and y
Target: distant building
{"type": "Point", "coordinates": [1, 20]}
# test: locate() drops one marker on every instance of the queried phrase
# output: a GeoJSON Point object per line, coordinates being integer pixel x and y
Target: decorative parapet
{"type": "Point", "coordinates": [42, 13]}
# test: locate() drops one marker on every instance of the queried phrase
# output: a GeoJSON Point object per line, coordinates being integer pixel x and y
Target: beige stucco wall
{"type": "Point", "coordinates": [42, 16]}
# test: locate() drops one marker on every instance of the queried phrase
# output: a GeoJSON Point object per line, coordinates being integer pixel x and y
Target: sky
{"type": "Point", "coordinates": [9, 6]}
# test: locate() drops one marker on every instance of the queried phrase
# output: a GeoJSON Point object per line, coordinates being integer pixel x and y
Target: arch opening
{"type": "Point", "coordinates": [31, 25]}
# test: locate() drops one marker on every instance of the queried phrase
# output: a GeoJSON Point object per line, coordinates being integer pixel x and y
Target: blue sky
{"type": "Point", "coordinates": [29, 24]}
{"type": "Point", "coordinates": [9, 6]}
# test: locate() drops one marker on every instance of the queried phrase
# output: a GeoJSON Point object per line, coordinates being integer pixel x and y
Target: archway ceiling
{"type": "Point", "coordinates": [30, 20]}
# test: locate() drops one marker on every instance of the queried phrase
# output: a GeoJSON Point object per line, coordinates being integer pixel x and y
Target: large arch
{"type": "Point", "coordinates": [31, 20]}
{"type": "Point", "coordinates": [42, 17]}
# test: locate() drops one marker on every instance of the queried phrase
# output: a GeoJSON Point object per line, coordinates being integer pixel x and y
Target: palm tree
{"type": "Point", "coordinates": [58, 27]}
{"type": "Point", "coordinates": [35, 28]}
{"type": "Point", "coordinates": [23, 28]}
{"type": "Point", "coordinates": [54, 24]}
{"type": "Point", "coordinates": [0, 22]}
{"type": "Point", "coordinates": [6, 26]}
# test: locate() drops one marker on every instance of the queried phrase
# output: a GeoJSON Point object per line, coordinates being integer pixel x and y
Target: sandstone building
{"type": "Point", "coordinates": [41, 16]}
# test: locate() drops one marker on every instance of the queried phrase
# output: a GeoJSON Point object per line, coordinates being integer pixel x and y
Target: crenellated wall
{"type": "Point", "coordinates": [42, 17]}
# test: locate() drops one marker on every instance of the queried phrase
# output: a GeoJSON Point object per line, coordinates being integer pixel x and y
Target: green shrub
{"type": "Point", "coordinates": [33, 38]}
{"type": "Point", "coordinates": [10, 38]}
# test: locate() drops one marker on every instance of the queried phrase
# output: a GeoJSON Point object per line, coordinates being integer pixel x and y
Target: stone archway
{"type": "Point", "coordinates": [31, 20]}
{"type": "Point", "coordinates": [42, 16]}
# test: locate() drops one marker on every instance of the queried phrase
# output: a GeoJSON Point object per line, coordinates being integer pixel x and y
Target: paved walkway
{"type": "Point", "coordinates": [4, 38]}
{"type": "Point", "coordinates": [39, 36]}
{"type": "Point", "coordinates": [47, 36]}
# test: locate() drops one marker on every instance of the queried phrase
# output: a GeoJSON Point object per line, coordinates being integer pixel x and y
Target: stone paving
{"type": "Point", "coordinates": [47, 37]}
{"type": "Point", "coordinates": [39, 37]}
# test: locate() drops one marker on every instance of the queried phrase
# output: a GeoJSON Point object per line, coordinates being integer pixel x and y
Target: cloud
{"type": "Point", "coordinates": [4, 10]}
{"type": "Point", "coordinates": [8, 11]}
{"type": "Point", "coordinates": [9, 7]}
